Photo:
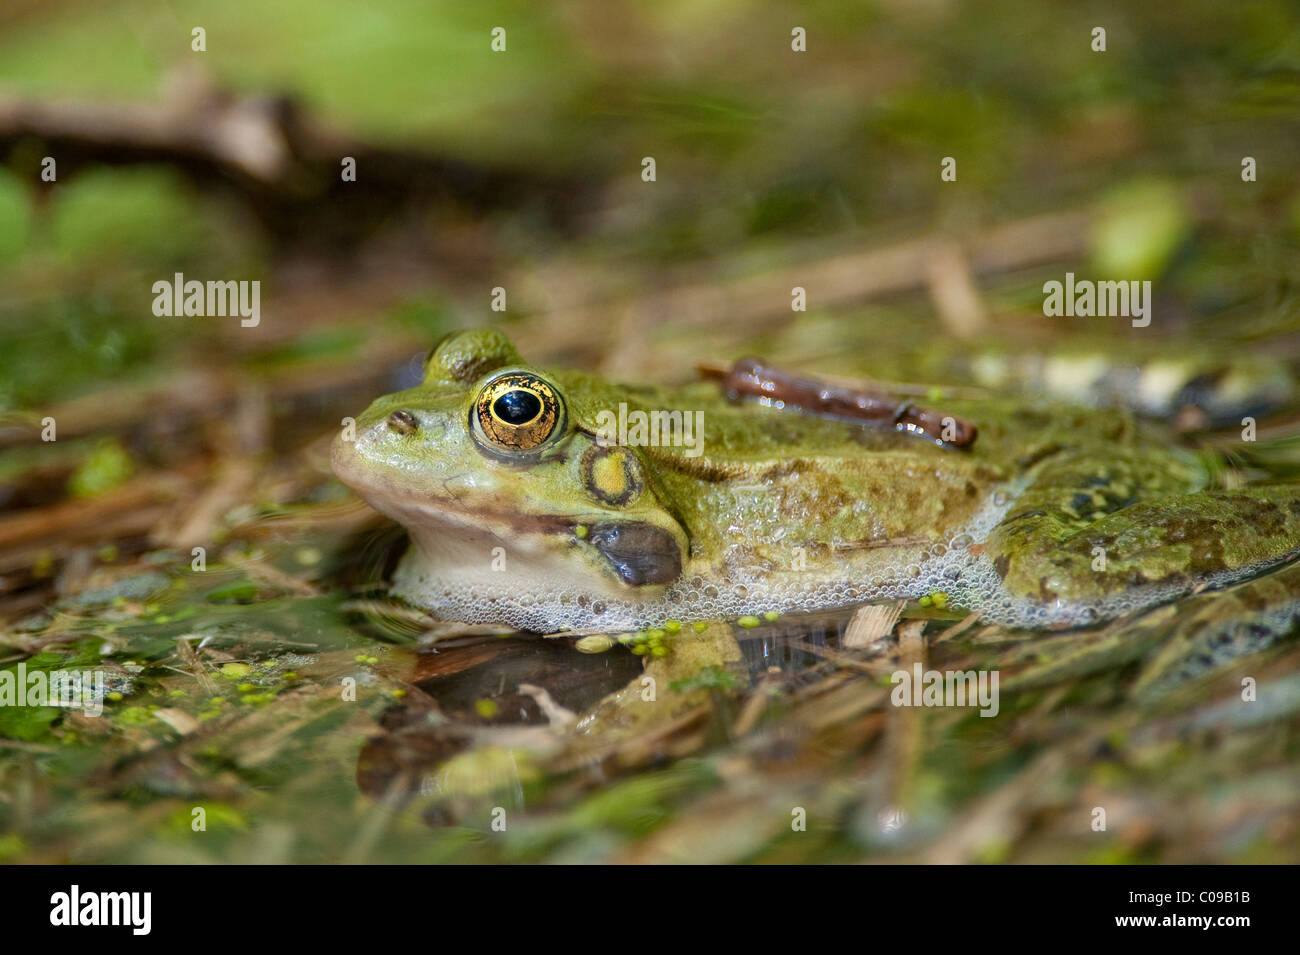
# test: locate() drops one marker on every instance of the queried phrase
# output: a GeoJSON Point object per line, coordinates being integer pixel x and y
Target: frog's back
{"type": "Point", "coordinates": [763, 486]}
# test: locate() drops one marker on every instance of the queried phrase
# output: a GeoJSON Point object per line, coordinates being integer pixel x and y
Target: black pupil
{"type": "Point", "coordinates": [517, 407]}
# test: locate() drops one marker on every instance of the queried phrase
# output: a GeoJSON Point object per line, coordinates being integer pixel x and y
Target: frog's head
{"type": "Point", "coordinates": [488, 452]}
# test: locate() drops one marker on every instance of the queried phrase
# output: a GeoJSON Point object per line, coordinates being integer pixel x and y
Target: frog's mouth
{"type": "Point", "coordinates": [556, 550]}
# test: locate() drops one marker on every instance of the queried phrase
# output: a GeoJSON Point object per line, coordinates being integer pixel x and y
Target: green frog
{"type": "Point", "coordinates": [555, 500]}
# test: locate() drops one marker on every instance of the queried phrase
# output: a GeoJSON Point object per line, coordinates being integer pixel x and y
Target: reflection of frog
{"type": "Point", "coordinates": [520, 513]}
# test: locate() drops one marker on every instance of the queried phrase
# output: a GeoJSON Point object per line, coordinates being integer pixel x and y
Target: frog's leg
{"type": "Point", "coordinates": [1089, 541]}
{"type": "Point", "coordinates": [1215, 628]}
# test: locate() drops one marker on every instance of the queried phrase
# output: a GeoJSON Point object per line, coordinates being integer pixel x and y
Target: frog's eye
{"type": "Point", "coordinates": [517, 413]}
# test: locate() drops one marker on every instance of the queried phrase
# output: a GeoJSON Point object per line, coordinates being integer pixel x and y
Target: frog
{"type": "Point", "coordinates": [539, 498]}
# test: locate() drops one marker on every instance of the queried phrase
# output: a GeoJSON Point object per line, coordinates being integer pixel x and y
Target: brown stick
{"type": "Point", "coordinates": [750, 378]}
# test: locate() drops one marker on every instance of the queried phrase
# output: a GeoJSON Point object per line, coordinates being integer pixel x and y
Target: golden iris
{"type": "Point", "coordinates": [517, 413]}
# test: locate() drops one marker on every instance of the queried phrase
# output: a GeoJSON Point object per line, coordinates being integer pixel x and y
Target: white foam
{"type": "Point", "coordinates": [545, 600]}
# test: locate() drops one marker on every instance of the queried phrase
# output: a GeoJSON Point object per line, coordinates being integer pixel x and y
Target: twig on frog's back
{"type": "Point", "coordinates": [750, 378]}
{"type": "Point", "coordinates": [717, 370]}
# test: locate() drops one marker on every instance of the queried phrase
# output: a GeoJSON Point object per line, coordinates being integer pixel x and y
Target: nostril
{"type": "Point", "coordinates": [403, 422]}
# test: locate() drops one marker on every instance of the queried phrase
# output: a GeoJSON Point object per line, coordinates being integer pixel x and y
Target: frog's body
{"type": "Point", "coordinates": [1054, 517]}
